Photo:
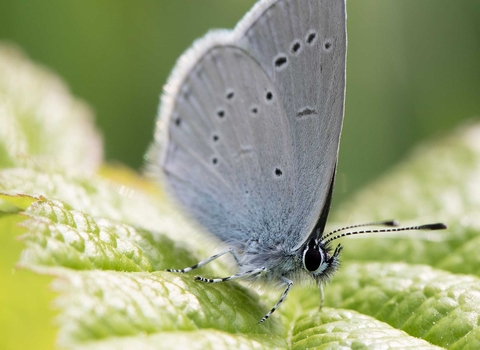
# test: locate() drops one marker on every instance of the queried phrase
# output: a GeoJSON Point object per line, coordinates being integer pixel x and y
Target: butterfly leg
{"type": "Point", "coordinates": [322, 296]}
{"type": "Point", "coordinates": [206, 261]}
{"type": "Point", "coordinates": [282, 298]}
{"type": "Point", "coordinates": [335, 255]}
{"type": "Point", "coordinates": [245, 274]}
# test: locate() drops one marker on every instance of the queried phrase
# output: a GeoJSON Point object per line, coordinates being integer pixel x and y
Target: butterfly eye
{"type": "Point", "coordinates": [312, 257]}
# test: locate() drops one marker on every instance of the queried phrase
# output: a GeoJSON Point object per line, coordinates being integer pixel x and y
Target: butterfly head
{"type": "Point", "coordinates": [318, 259]}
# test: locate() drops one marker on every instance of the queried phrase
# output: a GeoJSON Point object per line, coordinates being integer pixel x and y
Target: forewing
{"type": "Point", "coordinates": [301, 45]}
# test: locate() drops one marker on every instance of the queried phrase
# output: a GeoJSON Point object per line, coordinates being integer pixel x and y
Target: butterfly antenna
{"type": "Point", "coordinates": [376, 223]}
{"type": "Point", "coordinates": [428, 227]}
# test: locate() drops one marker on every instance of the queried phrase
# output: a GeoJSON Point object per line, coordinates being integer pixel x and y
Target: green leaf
{"type": "Point", "coordinates": [430, 304]}
{"type": "Point", "coordinates": [25, 297]}
{"type": "Point", "coordinates": [333, 329]}
{"type": "Point", "coordinates": [106, 239]}
{"type": "Point", "coordinates": [42, 125]}
{"type": "Point", "coordinates": [15, 203]}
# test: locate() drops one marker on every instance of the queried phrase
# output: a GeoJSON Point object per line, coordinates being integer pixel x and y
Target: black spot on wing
{"type": "Point", "coordinates": [305, 112]}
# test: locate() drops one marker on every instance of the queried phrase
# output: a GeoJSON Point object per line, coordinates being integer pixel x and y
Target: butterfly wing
{"type": "Point", "coordinates": [250, 121]}
{"type": "Point", "coordinates": [301, 45]}
{"type": "Point", "coordinates": [228, 143]}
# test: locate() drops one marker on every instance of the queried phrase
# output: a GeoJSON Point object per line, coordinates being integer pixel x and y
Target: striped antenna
{"type": "Point", "coordinates": [431, 227]}
{"type": "Point", "coordinates": [377, 223]}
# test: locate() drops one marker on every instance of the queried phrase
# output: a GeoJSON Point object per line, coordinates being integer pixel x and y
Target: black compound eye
{"type": "Point", "coordinates": [312, 257]}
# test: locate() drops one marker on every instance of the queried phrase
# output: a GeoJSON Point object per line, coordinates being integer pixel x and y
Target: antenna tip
{"type": "Point", "coordinates": [438, 226]}
{"type": "Point", "coordinates": [391, 223]}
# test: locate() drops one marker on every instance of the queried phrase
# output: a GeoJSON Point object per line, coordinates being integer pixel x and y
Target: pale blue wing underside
{"type": "Point", "coordinates": [229, 145]}
{"type": "Point", "coordinates": [250, 121]}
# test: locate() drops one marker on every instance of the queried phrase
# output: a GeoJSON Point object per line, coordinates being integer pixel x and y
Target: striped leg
{"type": "Point", "coordinates": [206, 261]}
{"type": "Point", "coordinates": [255, 272]}
{"type": "Point", "coordinates": [282, 298]}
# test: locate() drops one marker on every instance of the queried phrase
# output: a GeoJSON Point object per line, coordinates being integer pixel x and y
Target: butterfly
{"type": "Point", "coordinates": [248, 136]}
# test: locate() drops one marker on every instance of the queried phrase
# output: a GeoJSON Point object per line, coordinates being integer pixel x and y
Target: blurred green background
{"type": "Point", "coordinates": [413, 67]}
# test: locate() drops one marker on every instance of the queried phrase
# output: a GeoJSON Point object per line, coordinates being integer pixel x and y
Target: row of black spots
{"type": "Point", "coordinates": [221, 113]}
{"type": "Point", "coordinates": [327, 44]}
{"type": "Point", "coordinates": [230, 95]}
{"type": "Point", "coordinates": [178, 121]}
{"type": "Point", "coordinates": [281, 60]}
{"type": "Point", "coordinates": [254, 109]}
{"type": "Point", "coordinates": [312, 38]}
{"type": "Point", "coordinates": [185, 94]}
